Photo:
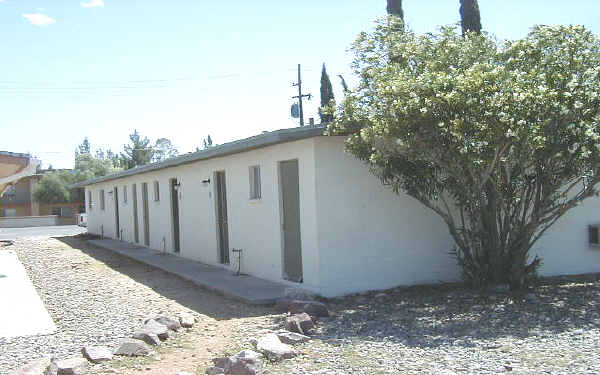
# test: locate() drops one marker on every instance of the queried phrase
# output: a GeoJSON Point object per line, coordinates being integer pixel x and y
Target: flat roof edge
{"type": "Point", "coordinates": [234, 147]}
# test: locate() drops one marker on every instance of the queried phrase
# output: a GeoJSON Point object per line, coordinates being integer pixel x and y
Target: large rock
{"type": "Point", "coordinates": [312, 308]}
{"type": "Point", "coordinates": [291, 338]}
{"type": "Point", "coordinates": [157, 328]}
{"type": "Point", "coordinates": [133, 348]}
{"type": "Point", "coordinates": [146, 336]}
{"type": "Point", "coordinates": [37, 367]}
{"type": "Point", "coordinates": [186, 320]}
{"type": "Point", "coordinates": [273, 348]}
{"type": "Point", "coordinates": [69, 366]}
{"type": "Point", "coordinates": [97, 354]}
{"type": "Point", "coordinates": [172, 324]}
{"type": "Point", "coordinates": [300, 323]}
{"type": "Point", "coordinates": [246, 362]}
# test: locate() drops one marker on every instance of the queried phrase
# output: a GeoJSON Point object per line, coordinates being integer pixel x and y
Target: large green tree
{"type": "Point", "coordinates": [327, 97]}
{"type": "Point", "coordinates": [138, 152]}
{"type": "Point", "coordinates": [470, 19]}
{"type": "Point", "coordinates": [499, 139]}
{"type": "Point", "coordinates": [54, 188]}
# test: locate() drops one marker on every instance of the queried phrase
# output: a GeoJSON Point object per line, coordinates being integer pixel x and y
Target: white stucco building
{"type": "Point", "coordinates": [303, 212]}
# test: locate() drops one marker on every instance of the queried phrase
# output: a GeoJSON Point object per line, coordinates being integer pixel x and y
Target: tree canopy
{"type": "Point", "coordinates": [327, 97]}
{"type": "Point", "coordinates": [138, 152]}
{"type": "Point", "coordinates": [499, 139]}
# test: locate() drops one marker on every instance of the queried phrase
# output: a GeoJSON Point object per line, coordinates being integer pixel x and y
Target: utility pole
{"type": "Point", "coordinates": [300, 96]}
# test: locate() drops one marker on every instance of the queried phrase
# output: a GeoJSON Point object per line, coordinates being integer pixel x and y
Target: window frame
{"type": "Point", "coordinates": [90, 200]}
{"type": "Point", "coordinates": [124, 194]}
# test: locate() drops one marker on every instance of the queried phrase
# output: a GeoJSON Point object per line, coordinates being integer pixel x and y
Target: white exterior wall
{"type": "Point", "coordinates": [369, 237]}
{"type": "Point", "coordinates": [254, 225]}
{"type": "Point", "coordinates": [356, 234]}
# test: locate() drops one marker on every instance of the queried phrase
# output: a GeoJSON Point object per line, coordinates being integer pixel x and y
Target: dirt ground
{"type": "Point", "coordinates": [131, 291]}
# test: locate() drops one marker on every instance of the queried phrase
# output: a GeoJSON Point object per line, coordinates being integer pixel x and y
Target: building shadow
{"type": "Point", "coordinates": [455, 316]}
{"type": "Point", "coordinates": [188, 294]}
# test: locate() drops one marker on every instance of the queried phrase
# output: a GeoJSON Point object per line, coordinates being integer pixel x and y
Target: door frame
{"type": "Point", "coordinates": [222, 254]}
{"type": "Point", "coordinates": [281, 221]}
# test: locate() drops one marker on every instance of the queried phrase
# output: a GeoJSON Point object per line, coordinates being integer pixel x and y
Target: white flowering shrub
{"type": "Point", "coordinates": [498, 138]}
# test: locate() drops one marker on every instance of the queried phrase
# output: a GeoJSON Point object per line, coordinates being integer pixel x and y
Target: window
{"type": "Point", "coordinates": [102, 199]}
{"type": "Point", "coordinates": [594, 235]}
{"type": "Point", "coordinates": [156, 192]}
{"type": "Point", "coordinates": [255, 182]}
{"type": "Point", "coordinates": [56, 211]}
{"type": "Point", "coordinates": [124, 194]}
{"type": "Point", "coordinates": [90, 199]}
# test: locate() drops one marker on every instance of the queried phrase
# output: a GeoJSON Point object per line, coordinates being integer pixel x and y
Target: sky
{"type": "Point", "coordinates": [182, 69]}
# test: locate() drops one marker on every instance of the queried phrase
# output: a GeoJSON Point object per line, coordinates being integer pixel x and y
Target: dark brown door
{"type": "Point", "coordinates": [175, 213]}
{"type": "Point", "coordinates": [136, 230]}
{"type": "Point", "coordinates": [222, 229]}
{"type": "Point", "coordinates": [145, 214]}
{"type": "Point", "coordinates": [117, 226]}
{"type": "Point", "coordinates": [290, 200]}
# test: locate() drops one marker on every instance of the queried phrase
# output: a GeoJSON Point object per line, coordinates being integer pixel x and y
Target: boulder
{"type": "Point", "coordinates": [291, 338]}
{"type": "Point", "coordinates": [37, 367]}
{"type": "Point", "coordinates": [246, 362]}
{"type": "Point", "coordinates": [172, 324]}
{"type": "Point", "coordinates": [186, 320]}
{"type": "Point", "coordinates": [157, 328]}
{"type": "Point", "coordinates": [97, 354]}
{"type": "Point", "coordinates": [312, 308]}
{"type": "Point", "coordinates": [300, 323]}
{"type": "Point", "coordinates": [273, 348]}
{"type": "Point", "coordinates": [133, 348]}
{"type": "Point", "coordinates": [69, 366]}
{"type": "Point", "coordinates": [146, 336]}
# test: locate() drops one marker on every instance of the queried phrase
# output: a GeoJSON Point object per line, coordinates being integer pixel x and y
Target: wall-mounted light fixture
{"type": "Point", "coordinates": [207, 181]}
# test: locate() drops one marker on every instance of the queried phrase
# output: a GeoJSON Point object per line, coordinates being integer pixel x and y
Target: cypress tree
{"type": "Point", "coordinates": [394, 7]}
{"type": "Point", "coordinates": [326, 96]}
{"type": "Point", "coordinates": [469, 16]}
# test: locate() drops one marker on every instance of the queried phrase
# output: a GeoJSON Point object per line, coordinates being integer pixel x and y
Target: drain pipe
{"type": "Point", "coordinates": [121, 237]}
{"type": "Point", "coordinates": [102, 231]}
{"type": "Point", "coordinates": [239, 253]}
{"type": "Point", "coordinates": [164, 245]}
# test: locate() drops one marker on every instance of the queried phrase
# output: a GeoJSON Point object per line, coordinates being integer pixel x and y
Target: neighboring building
{"type": "Point", "coordinates": [17, 201]}
{"type": "Point", "coordinates": [304, 213]}
{"type": "Point", "coordinates": [13, 168]}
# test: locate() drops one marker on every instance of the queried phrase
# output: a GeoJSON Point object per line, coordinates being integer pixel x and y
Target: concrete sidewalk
{"type": "Point", "coordinates": [245, 288]}
{"type": "Point", "coordinates": [22, 313]}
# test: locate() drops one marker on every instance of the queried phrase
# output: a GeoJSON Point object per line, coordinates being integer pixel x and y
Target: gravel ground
{"type": "Point", "coordinates": [555, 329]}
{"type": "Point", "coordinates": [98, 297]}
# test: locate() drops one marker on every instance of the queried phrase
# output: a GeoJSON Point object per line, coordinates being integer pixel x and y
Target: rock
{"type": "Point", "coordinates": [273, 348]}
{"type": "Point", "coordinates": [312, 308]}
{"type": "Point", "coordinates": [97, 354]}
{"type": "Point", "coordinates": [157, 328]}
{"type": "Point", "coordinates": [186, 320]}
{"type": "Point", "coordinates": [69, 366]}
{"type": "Point", "coordinates": [133, 348]}
{"type": "Point", "coordinates": [380, 297]}
{"type": "Point", "coordinates": [246, 362]}
{"type": "Point", "coordinates": [291, 338]}
{"type": "Point", "coordinates": [37, 367]}
{"type": "Point", "coordinates": [300, 323]}
{"type": "Point", "coordinates": [183, 373]}
{"type": "Point", "coordinates": [146, 336]}
{"type": "Point", "coordinates": [172, 324]}
{"type": "Point", "coordinates": [532, 298]}
{"type": "Point", "coordinates": [215, 371]}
